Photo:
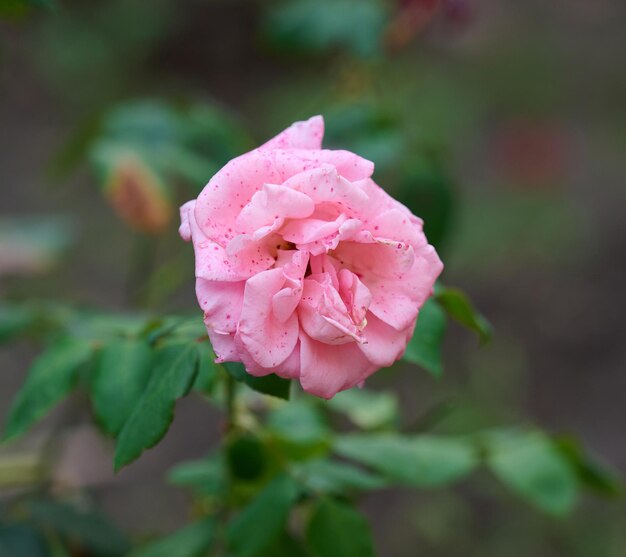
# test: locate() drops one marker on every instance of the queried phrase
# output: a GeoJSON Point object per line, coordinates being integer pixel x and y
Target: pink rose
{"type": "Point", "coordinates": [305, 267]}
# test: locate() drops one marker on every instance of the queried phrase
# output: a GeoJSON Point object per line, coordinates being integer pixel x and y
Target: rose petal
{"type": "Point", "coordinates": [324, 185]}
{"type": "Point", "coordinates": [221, 303]}
{"type": "Point", "coordinates": [396, 302]}
{"type": "Point", "coordinates": [291, 162]}
{"type": "Point", "coordinates": [273, 204]}
{"type": "Point", "coordinates": [268, 340]}
{"type": "Point", "coordinates": [396, 225]}
{"type": "Point", "coordinates": [185, 228]}
{"type": "Point", "coordinates": [224, 346]}
{"type": "Point", "coordinates": [383, 344]}
{"type": "Point", "coordinates": [228, 192]}
{"type": "Point", "coordinates": [300, 135]}
{"type": "Point", "coordinates": [325, 370]}
{"type": "Point", "coordinates": [323, 314]}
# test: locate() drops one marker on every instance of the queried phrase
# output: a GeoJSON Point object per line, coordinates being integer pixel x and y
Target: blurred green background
{"type": "Point", "coordinates": [502, 124]}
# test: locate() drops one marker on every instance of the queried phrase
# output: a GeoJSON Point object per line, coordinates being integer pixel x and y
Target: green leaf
{"type": "Point", "coordinates": [207, 370]}
{"type": "Point", "coordinates": [421, 461]}
{"type": "Point", "coordinates": [15, 320]}
{"type": "Point", "coordinates": [171, 379]}
{"type": "Point", "coordinates": [367, 409]}
{"type": "Point", "coordinates": [459, 307]}
{"type": "Point", "coordinates": [531, 466]}
{"type": "Point", "coordinates": [193, 540]}
{"type": "Point", "coordinates": [300, 427]}
{"type": "Point", "coordinates": [268, 384]}
{"type": "Point", "coordinates": [119, 380]}
{"type": "Point", "coordinates": [51, 377]}
{"type": "Point", "coordinates": [246, 457]}
{"type": "Point", "coordinates": [20, 539]}
{"type": "Point", "coordinates": [261, 523]}
{"type": "Point", "coordinates": [424, 349]}
{"type": "Point", "coordinates": [89, 528]}
{"type": "Point", "coordinates": [339, 530]}
{"type": "Point", "coordinates": [206, 476]}
{"type": "Point", "coordinates": [330, 476]}
{"type": "Point", "coordinates": [593, 474]}
{"type": "Point", "coordinates": [320, 25]}
{"type": "Point", "coordinates": [285, 546]}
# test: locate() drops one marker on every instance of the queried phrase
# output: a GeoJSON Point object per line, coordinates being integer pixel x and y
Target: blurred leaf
{"type": "Point", "coordinates": [426, 188]}
{"type": "Point", "coordinates": [88, 528]}
{"type": "Point", "coordinates": [329, 476]}
{"type": "Point", "coordinates": [15, 320]}
{"type": "Point", "coordinates": [299, 425]}
{"type": "Point", "coordinates": [261, 523]}
{"type": "Point", "coordinates": [459, 307]}
{"type": "Point", "coordinates": [285, 546]}
{"type": "Point", "coordinates": [76, 55]}
{"type": "Point", "coordinates": [74, 150]}
{"type": "Point", "coordinates": [173, 375]}
{"type": "Point", "coordinates": [103, 327]}
{"type": "Point", "coordinates": [193, 540]}
{"type": "Point", "coordinates": [246, 457]}
{"type": "Point", "coordinates": [421, 461]}
{"type": "Point", "coordinates": [16, 9]}
{"type": "Point", "coordinates": [592, 474]}
{"type": "Point", "coordinates": [119, 379]}
{"type": "Point", "coordinates": [320, 25]}
{"type": "Point", "coordinates": [206, 476]}
{"type": "Point", "coordinates": [339, 530]}
{"type": "Point", "coordinates": [51, 377]}
{"type": "Point", "coordinates": [368, 129]}
{"type": "Point", "coordinates": [172, 141]}
{"type": "Point", "coordinates": [530, 465]}
{"type": "Point", "coordinates": [180, 328]}
{"type": "Point", "coordinates": [17, 540]}
{"type": "Point", "coordinates": [424, 348]}
{"type": "Point", "coordinates": [31, 245]}
{"type": "Point", "coordinates": [207, 370]}
{"type": "Point", "coordinates": [367, 409]}
{"type": "Point", "coordinates": [268, 384]}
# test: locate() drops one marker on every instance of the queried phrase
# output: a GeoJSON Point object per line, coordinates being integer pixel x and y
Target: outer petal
{"type": "Point", "coordinates": [325, 370]}
{"type": "Point", "coordinates": [269, 340]}
{"type": "Point", "coordinates": [381, 201]}
{"type": "Point", "coordinates": [396, 302]}
{"type": "Point", "coordinates": [185, 228]}
{"type": "Point", "coordinates": [383, 344]}
{"type": "Point", "coordinates": [291, 162]}
{"type": "Point", "coordinates": [289, 369]}
{"type": "Point", "coordinates": [224, 346]}
{"type": "Point", "coordinates": [396, 225]}
{"type": "Point", "coordinates": [221, 303]}
{"type": "Point", "coordinates": [230, 190]}
{"type": "Point", "coordinates": [300, 135]}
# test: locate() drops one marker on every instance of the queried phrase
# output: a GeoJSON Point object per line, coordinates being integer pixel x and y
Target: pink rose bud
{"type": "Point", "coordinates": [304, 266]}
{"type": "Point", "coordinates": [138, 195]}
